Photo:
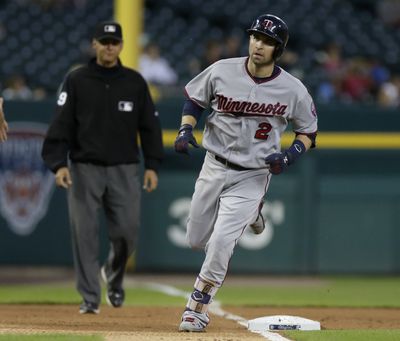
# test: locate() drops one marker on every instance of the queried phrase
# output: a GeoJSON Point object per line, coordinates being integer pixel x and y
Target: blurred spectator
{"type": "Point", "coordinates": [331, 60]}
{"type": "Point", "coordinates": [331, 73]}
{"type": "Point", "coordinates": [213, 51]}
{"type": "Point", "coordinates": [389, 93]}
{"type": "Point", "coordinates": [327, 91]}
{"type": "Point", "coordinates": [356, 84]}
{"type": "Point", "coordinates": [232, 47]}
{"type": "Point", "coordinates": [154, 68]}
{"type": "Point", "coordinates": [379, 75]}
{"type": "Point", "coordinates": [289, 62]}
{"type": "Point", "coordinates": [39, 93]}
{"type": "Point", "coordinates": [17, 89]}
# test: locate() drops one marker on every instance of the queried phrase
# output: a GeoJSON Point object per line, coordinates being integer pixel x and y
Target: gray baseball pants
{"type": "Point", "coordinates": [116, 190]}
{"type": "Point", "coordinates": [224, 203]}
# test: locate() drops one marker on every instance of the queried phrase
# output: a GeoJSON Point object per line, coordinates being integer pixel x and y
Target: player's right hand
{"type": "Point", "coordinates": [63, 177]}
{"type": "Point", "coordinates": [184, 138]}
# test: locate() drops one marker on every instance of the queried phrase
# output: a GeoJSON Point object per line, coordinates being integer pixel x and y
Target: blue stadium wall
{"type": "Point", "coordinates": [335, 211]}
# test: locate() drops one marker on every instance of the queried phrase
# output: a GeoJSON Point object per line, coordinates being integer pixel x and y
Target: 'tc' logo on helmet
{"type": "Point", "coordinates": [267, 24]}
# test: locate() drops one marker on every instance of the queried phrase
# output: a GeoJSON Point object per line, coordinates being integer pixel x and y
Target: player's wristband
{"type": "Point", "coordinates": [187, 127]}
{"type": "Point", "coordinates": [295, 151]}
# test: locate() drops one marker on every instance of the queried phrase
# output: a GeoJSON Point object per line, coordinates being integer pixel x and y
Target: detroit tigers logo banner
{"type": "Point", "coordinates": [25, 182]}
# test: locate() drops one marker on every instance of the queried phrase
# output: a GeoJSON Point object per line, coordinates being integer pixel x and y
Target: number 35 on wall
{"type": "Point", "coordinates": [273, 212]}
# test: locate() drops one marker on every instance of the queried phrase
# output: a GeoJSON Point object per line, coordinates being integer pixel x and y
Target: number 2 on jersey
{"type": "Point", "coordinates": [262, 133]}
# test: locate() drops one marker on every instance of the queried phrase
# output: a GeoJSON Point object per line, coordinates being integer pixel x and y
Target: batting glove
{"type": "Point", "coordinates": [185, 136]}
{"type": "Point", "coordinates": [279, 162]}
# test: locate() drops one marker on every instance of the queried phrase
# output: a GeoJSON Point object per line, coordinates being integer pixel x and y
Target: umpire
{"type": "Point", "coordinates": [92, 147]}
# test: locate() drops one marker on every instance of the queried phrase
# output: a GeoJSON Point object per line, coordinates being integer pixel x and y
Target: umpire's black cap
{"type": "Point", "coordinates": [108, 29]}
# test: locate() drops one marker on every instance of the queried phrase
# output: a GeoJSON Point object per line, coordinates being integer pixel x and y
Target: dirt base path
{"type": "Point", "coordinates": [156, 323]}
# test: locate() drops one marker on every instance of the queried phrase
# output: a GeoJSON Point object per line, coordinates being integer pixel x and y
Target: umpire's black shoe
{"type": "Point", "coordinates": [114, 297]}
{"type": "Point", "coordinates": [89, 308]}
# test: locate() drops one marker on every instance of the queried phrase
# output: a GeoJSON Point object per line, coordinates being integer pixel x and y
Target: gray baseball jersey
{"type": "Point", "coordinates": [249, 116]}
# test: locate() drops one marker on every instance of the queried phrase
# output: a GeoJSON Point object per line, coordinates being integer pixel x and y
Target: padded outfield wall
{"type": "Point", "coordinates": [336, 211]}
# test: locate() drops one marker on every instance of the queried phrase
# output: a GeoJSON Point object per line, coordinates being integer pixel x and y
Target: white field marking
{"type": "Point", "coordinates": [215, 308]}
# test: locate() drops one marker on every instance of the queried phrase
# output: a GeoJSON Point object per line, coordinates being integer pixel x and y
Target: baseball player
{"type": "Point", "coordinates": [252, 101]}
{"type": "Point", "coordinates": [3, 123]}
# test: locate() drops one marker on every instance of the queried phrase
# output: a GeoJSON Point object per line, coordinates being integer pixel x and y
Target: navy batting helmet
{"type": "Point", "coordinates": [273, 27]}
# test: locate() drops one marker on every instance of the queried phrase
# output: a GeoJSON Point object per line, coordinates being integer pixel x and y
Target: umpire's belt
{"type": "Point", "coordinates": [230, 164]}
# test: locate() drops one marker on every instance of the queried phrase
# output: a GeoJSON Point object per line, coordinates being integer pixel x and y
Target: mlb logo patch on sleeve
{"type": "Point", "coordinates": [125, 106]}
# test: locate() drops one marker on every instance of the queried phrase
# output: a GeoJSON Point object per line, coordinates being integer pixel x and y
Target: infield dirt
{"type": "Point", "coordinates": [160, 323]}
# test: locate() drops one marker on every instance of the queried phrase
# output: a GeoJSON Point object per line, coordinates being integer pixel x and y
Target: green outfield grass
{"type": "Point", "coordinates": [332, 292]}
{"type": "Point", "coordinates": [325, 291]}
{"type": "Point", "coordinates": [47, 294]}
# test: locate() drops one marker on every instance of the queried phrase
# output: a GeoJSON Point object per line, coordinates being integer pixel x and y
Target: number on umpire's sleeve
{"type": "Point", "coordinates": [62, 98]}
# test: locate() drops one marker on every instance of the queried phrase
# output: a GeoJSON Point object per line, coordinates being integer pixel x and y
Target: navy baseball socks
{"type": "Point", "coordinates": [195, 317]}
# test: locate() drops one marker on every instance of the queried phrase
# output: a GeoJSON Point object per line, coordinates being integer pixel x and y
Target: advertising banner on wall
{"type": "Point", "coordinates": [26, 184]}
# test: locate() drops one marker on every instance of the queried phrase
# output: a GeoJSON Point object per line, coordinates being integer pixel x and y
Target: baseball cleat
{"type": "Point", "coordinates": [193, 322]}
{"type": "Point", "coordinates": [89, 308]}
{"type": "Point", "coordinates": [259, 225]}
